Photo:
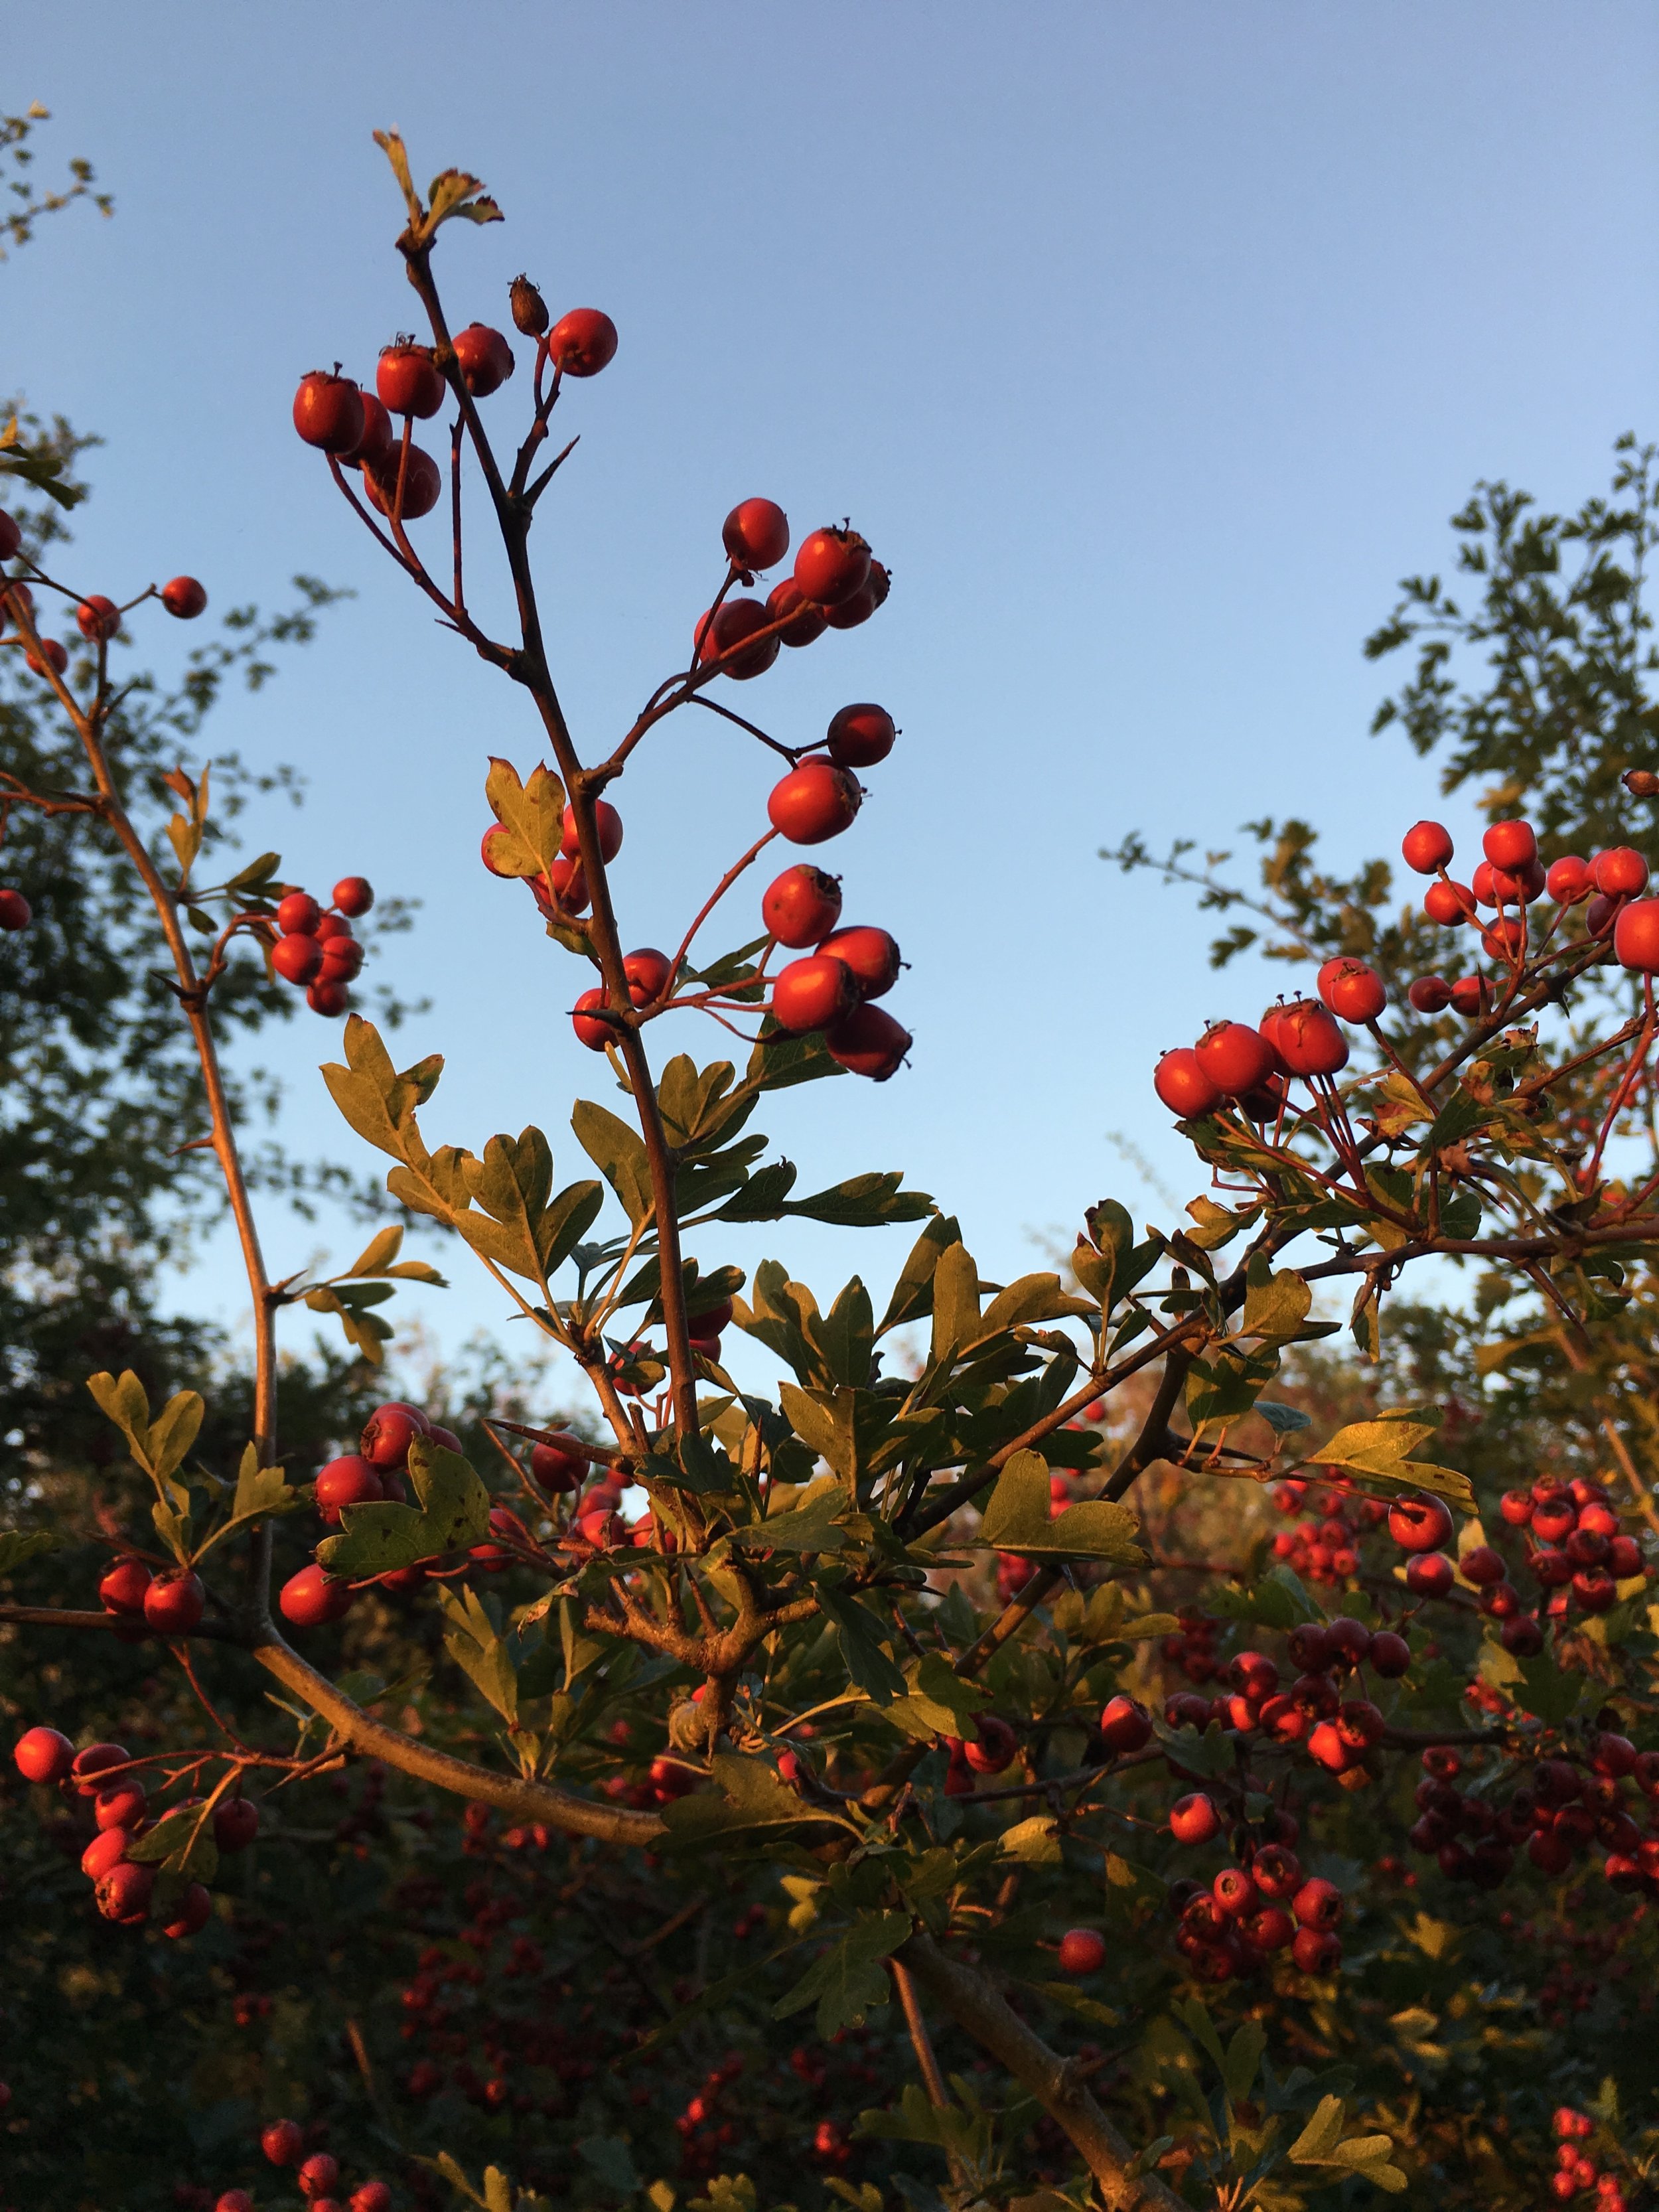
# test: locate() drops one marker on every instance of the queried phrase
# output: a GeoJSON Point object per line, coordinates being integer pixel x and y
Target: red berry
{"type": "Point", "coordinates": [1636, 936]}
{"type": "Point", "coordinates": [484, 358]}
{"type": "Point", "coordinates": [562, 1465]}
{"type": "Point", "coordinates": [1390, 1655]}
{"type": "Point", "coordinates": [107, 1849]}
{"type": "Point", "coordinates": [1470, 996]}
{"type": "Point", "coordinates": [342, 956]}
{"type": "Point", "coordinates": [1235, 1057]}
{"type": "Point", "coordinates": [860, 735]}
{"type": "Point", "coordinates": [312, 1597]}
{"type": "Point", "coordinates": [328, 412]}
{"type": "Point", "coordinates": [1082, 1951]}
{"type": "Point", "coordinates": [1448, 903]}
{"type": "Point", "coordinates": [16, 912]}
{"type": "Point", "coordinates": [1418, 1522]}
{"type": "Point", "coordinates": [1318, 1903]}
{"type": "Point", "coordinates": [174, 1602]}
{"type": "Point", "coordinates": [1568, 880]}
{"type": "Point", "coordinates": [723, 636]}
{"type": "Point", "coordinates": [42, 1755]}
{"type": "Point", "coordinates": [123, 1894]}
{"type": "Point", "coordinates": [1482, 1566]}
{"type": "Point", "coordinates": [328, 995]}
{"type": "Point", "coordinates": [992, 1748]}
{"type": "Point", "coordinates": [192, 1913]}
{"type": "Point", "coordinates": [354, 894]}
{"type": "Point", "coordinates": [871, 955]}
{"type": "Point", "coordinates": [298, 958]}
{"type": "Point", "coordinates": [1194, 1819]}
{"type": "Point", "coordinates": [1276, 1871]}
{"type": "Point", "coordinates": [802, 906]}
{"type": "Point", "coordinates": [649, 973]}
{"type": "Point", "coordinates": [1510, 845]}
{"type": "Point", "coordinates": [1429, 995]}
{"type": "Point", "coordinates": [813, 803]}
{"type": "Point", "coordinates": [870, 595]}
{"type": "Point", "coordinates": [97, 619]}
{"type": "Point", "coordinates": [236, 1824]}
{"type": "Point", "coordinates": [298, 914]}
{"type": "Point", "coordinates": [802, 621]}
{"type": "Point", "coordinates": [282, 2142]}
{"type": "Point", "coordinates": [590, 1029]}
{"type": "Point", "coordinates": [422, 483]}
{"type": "Point", "coordinates": [234, 2200]}
{"type": "Point", "coordinates": [350, 1480]}
{"type": "Point", "coordinates": [1521, 1636]}
{"type": "Point", "coordinates": [97, 1758]}
{"type": "Point", "coordinates": [1180, 1081]}
{"type": "Point", "coordinates": [317, 2176]}
{"type": "Point", "coordinates": [183, 596]}
{"type": "Point", "coordinates": [1125, 1725]}
{"type": "Point", "coordinates": [607, 824]}
{"type": "Point", "coordinates": [1353, 990]}
{"type": "Point", "coordinates": [1306, 1039]}
{"type": "Point", "coordinates": [755, 534]}
{"type": "Point", "coordinates": [52, 655]}
{"type": "Point", "coordinates": [832, 565]}
{"type": "Point", "coordinates": [1620, 872]}
{"type": "Point", "coordinates": [407, 379]}
{"type": "Point", "coordinates": [813, 993]}
{"type": "Point", "coordinates": [123, 1587]}
{"type": "Point", "coordinates": [372, 2197]}
{"type": "Point", "coordinates": [1426, 846]}
{"type": "Point", "coordinates": [569, 884]}
{"type": "Point", "coordinates": [494, 835]}
{"type": "Point", "coordinates": [582, 343]}
{"type": "Point", "coordinates": [1315, 1951]}
{"type": "Point", "coordinates": [869, 1042]}
{"type": "Point", "coordinates": [389, 1431]}
{"type": "Point", "coordinates": [1234, 1893]}
{"type": "Point", "coordinates": [375, 448]}
{"type": "Point", "coordinates": [11, 538]}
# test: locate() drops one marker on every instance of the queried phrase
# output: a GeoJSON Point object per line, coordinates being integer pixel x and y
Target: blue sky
{"type": "Point", "coordinates": [1149, 345]}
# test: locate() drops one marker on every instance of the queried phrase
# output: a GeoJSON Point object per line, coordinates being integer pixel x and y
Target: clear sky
{"type": "Point", "coordinates": [1149, 344]}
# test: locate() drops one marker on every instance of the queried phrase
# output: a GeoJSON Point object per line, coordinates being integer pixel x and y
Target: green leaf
{"type": "Point", "coordinates": [473, 1641]}
{"type": "Point", "coordinates": [1548, 1691]}
{"type": "Point", "coordinates": [1015, 1519]}
{"type": "Point", "coordinates": [1275, 1304]}
{"type": "Point", "coordinates": [1282, 1420]}
{"type": "Point", "coordinates": [913, 1293]}
{"type": "Point", "coordinates": [1313, 2145]}
{"type": "Point", "coordinates": [619, 1154]}
{"type": "Point", "coordinates": [863, 1201]}
{"type": "Point", "coordinates": [1034, 1842]}
{"type": "Point", "coordinates": [1278, 1600]}
{"type": "Point", "coordinates": [848, 1982]}
{"type": "Point", "coordinates": [748, 1795]}
{"type": "Point", "coordinates": [18, 1545]}
{"type": "Point", "coordinates": [453, 1513]}
{"type": "Point", "coordinates": [182, 1843]}
{"type": "Point", "coordinates": [1243, 2057]}
{"type": "Point", "coordinates": [808, 1526]}
{"type": "Point", "coordinates": [861, 1638]}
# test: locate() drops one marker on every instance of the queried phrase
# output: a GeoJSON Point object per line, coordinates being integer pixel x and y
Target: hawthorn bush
{"type": "Point", "coordinates": [1078, 1741]}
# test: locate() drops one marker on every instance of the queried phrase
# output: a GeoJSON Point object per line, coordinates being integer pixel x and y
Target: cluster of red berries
{"type": "Point", "coordinates": [355, 428]}
{"type": "Point", "coordinates": [373, 1475]}
{"type": "Point", "coordinates": [1509, 880]}
{"type": "Point", "coordinates": [315, 949]}
{"type": "Point", "coordinates": [1326, 1546]}
{"type": "Point", "coordinates": [1336, 1733]}
{"type": "Point", "coordinates": [317, 2176]}
{"type": "Point", "coordinates": [104, 1777]}
{"type": "Point", "coordinates": [835, 585]}
{"type": "Point", "coordinates": [704, 2133]}
{"type": "Point", "coordinates": [143, 1602]}
{"type": "Point", "coordinates": [97, 618]}
{"type": "Point", "coordinates": [1574, 2172]}
{"type": "Point", "coordinates": [1579, 1554]}
{"type": "Point", "coordinates": [1249, 1912]}
{"type": "Point", "coordinates": [1252, 1067]}
{"type": "Point", "coordinates": [1560, 1812]}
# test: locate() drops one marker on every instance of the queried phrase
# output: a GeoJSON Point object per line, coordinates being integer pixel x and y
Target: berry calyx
{"type": "Point", "coordinates": [123, 1894]}
{"type": "Point", "coordinates": [582, 343]}
{"type": "Point", "coordinates": [97, 619]}
{"type": "Point", "coordinates": [869, 1042]}
{"type": "Point", "coordinates": [312, 1597]}
{"type": "Point", "coordinates": [813, 993]}
{"type": "Point", "coordinates": [183, 597]}
{"type": "Point", "coordinates": [607, 824]}
{"type": "Point", "coordinates": [1426, 847]}
{"type": "Point", "coordinates": [831, 565]}
{"type": "Point", "coordinates": [755, 534]}
{"type": "Point", "coordinates": [484, 358]}
{"type": "Point", "coordinates": [389, 1431]}
{"type": "Point", "coordinates": [41, 1754]}
{"type": "Point", "coordinates": [813, 803]}
{"type": "Point", "coordinates": [174, 1602]}
{"type": "Point", "coordinates": [871, 955]}
{"type": "Point", "coordinates": [354, 896]}
{"type": "Point", "coordinates": [328, 411]}
{"type": "Point", "coordinates": [407, 379]}
{"type": "Point", "coordinates": [801, 906]}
